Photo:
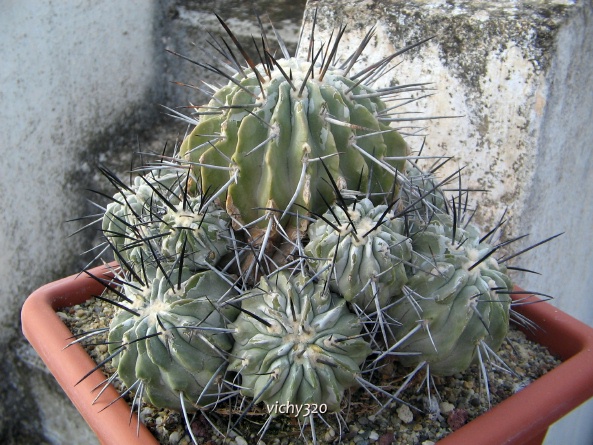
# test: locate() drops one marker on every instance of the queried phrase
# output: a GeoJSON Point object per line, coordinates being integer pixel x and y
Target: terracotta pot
{"type": "Point", "coordinates": [521, 419]}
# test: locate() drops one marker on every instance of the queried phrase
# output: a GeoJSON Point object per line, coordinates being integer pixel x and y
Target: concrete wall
{"type": "Point", "coordinates": [519, 73]}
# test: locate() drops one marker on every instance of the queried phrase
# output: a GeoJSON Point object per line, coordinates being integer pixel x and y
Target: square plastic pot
{"type": "Point", "coordinates": [522, 419]}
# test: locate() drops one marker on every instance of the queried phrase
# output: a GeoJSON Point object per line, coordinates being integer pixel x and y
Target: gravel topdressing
{"type": "Point", "coordinates": [454, 400]}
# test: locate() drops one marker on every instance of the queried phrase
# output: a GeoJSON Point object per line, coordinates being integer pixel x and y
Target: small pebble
{"type": "Point", "coordinates": [240, 441]}
{"type": "Point", "coordinates": [446, 407]}
{"type": "Point", "coordinates": [405, 414]}
{"type": "Point", "coordinates": [457, 418]}
{"type": "Point", "coordinates": [374, 435]}
{"type": "Point", "coordinates": [386, 439]}
{"type": "Point", "coordinates": [174, 438]}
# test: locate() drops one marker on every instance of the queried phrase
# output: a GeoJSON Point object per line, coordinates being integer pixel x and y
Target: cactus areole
{"type": "Point", "coordinates": [289, 134]}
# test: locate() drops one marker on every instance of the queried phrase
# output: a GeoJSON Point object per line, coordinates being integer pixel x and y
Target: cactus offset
{"type": "Point", "coordinates": [200, 235]}
{"type": "Point", "coordinates": [154, 218]}
{"type": "Point", "coordinates": [456, 300]}
{"type": "Point", "coordinates": [364, 251]}
{"type": "Point", "coordinates": [296, 342]}
{"type": "Point", "coordinates": [172, 341]}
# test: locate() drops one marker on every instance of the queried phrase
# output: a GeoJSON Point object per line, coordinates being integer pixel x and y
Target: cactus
{"type": "Point", "coordinates": [154, 218]}
{"type": "Point", "coordinates": [296, 342]}
{"type": "Point", "coordinates": [281, 129]}
{"type": "Point", "coordinates": [200, 235]}
{"type": "Point", "coordinates": [364, 251]}
{"type": "Point", "coordinates": [260, 188]}
{"type": "Point", "coordinates": [126, 222]}
{"type": "Point", "coordinates": [421, 195]}
{"type": "Point", "coordinates": [456, 300]}
{"type": "Point", "coordinates": [170, 343]}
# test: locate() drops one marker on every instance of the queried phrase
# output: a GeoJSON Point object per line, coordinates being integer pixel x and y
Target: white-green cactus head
{"type": "Point", "coordinates": [362, 250]}
{"type": "Point", "coordinates": [171, 341]}
{"type": "Point", "coordinates": [296, 343]}
{"type": "Point", "coordinates": [456, 301]}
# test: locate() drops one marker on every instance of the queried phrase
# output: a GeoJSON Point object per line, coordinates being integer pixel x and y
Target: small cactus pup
{"type": "Point", "coordinates": [421, 194]}
{"type": "Point", "coordinates": [171, 342]}
{"type": "Point", "coordinates": [199, 234]}
{"type": "Point", "coordinates": [456, 303]}
{"type": "Point", "coordinates": [363, 251]}
{"type": "Point", "coordinates": [156, 218]}
{"type": "Point", "coordinates": [296, 342]}
{"type": "Point", "coordinates": [272, 140]}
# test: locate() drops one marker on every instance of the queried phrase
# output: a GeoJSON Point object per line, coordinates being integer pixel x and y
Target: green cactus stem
{"type": "Point", "coordinates": [155, 218]}
{"type": "Point", "coordinates": [272, 126]}
{"type": "Point", "coordinates": [296, 342]}
{"type": "Point", "coordinates": [364, 251]}
{"type": "Point", "coordinates": [200, 235]}
{"type": "Point", "coordinates": [456, 300]}
{"type": "Point", "coordinates": [174, 338]}
{"type": "Point", "coordinates": [421, 194]}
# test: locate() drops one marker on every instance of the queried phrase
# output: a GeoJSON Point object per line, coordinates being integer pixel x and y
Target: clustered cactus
{"type": "Point", "coordinates": [289, 246]}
